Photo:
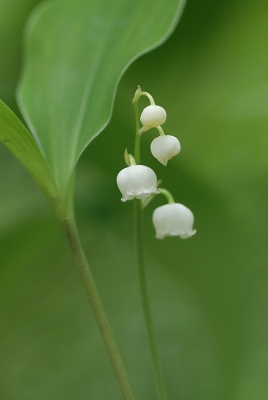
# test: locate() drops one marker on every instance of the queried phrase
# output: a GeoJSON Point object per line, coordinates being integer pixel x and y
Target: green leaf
{"type": "Point", "coordinates": [11, 27]}
{"type": "Point", "coordinates": [76, 51]}
{"type": "Point", "coordinates": [20, 142]}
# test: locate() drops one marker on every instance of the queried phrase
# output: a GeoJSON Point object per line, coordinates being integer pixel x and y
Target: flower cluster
{"type": "Point", "coordinates": [140, 182]}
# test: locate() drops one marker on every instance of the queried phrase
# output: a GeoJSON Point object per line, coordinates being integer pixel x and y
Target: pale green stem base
{"type": "Point", "coordinates": [71, 232]}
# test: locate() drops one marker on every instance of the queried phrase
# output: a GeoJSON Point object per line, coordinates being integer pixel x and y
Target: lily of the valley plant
{"type": "Point", "coordinates": [139, 183]}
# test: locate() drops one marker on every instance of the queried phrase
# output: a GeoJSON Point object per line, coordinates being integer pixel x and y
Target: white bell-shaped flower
{"type": "Point", "coordinates": [165, 147]}
{"type": "Point", "coordinates": [137, 181]}
{"type": "Point", "coordinates": [173, 220]}
{"type": "Point", "coordinates": [153, 116]}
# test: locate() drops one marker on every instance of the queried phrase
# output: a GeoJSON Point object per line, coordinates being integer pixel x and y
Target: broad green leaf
{"type": "Point", "coordinates": [13, 14]}
{"type": "Point", "coordinates": [75, 53]}
{"type": "Point", "coordinates": [20, 142]}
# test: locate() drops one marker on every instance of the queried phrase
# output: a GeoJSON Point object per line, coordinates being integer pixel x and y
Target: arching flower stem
{"type": "Point", "coordinates": [168, 195]}
{"type": "Point", "coordinates": [142, 130]}
{"type": "Point", "coordinates": [139, 242]}
{"type": "Point", "coordinates": [160, 130]}
{"type": "Point", "coordinates": [139, 93]}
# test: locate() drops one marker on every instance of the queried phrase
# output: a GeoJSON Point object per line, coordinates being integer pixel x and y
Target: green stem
{"type": "Point", "coordinates": [160, 386]}
{"type": "Point", "coordinates": [137, 153]}
{"type": "Point", "coordinates": [140, 93]}
{"type": "Point", "coordinates": [138, 224]}
{"type": "Point", "coordinates": [160, 130]}
{"type": "Point", "coordinates": [72, 235]}
{"type": "Point", "coordinates": [167, 195]}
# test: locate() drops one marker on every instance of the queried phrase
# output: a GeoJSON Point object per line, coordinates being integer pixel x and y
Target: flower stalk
{"type": "Point", "coordinates": [167, 195]}
{"type": "Point", "coordinates": [138, 224]}
{"type": "Point", "coordinates": [140, 183]}
{"type": "Point", "coordinates": [71, 232]}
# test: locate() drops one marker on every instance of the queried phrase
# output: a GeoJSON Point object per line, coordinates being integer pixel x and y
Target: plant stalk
{"type": "Point", "coordinates": [72, 235]}
{"type": "Point", "coordinates": [159, 380]}
{"type": "Point", "coordinates": [138, 229]}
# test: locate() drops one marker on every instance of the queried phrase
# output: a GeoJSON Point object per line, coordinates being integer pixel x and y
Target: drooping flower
{"type": "Point", "coordinates": [153, 116]}
{"type": "Point", "coordinates": [165, 147]}
{"type": "Point", "coordinates": [173, 220]}
{"type": "Point", "coordinates": [137, 181]}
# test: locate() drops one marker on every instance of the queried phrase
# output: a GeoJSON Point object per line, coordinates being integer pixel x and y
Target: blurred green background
{"type": "Point", "coordinates": [209, 295]}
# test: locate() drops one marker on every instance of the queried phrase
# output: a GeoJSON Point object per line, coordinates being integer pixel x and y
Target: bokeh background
{"type": "Point", "coordinates": [209, 295]}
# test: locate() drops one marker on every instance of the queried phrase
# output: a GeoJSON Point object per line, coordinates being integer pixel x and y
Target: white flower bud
{"type": "Point", "coordinates": [163, 148]}
{"type": "Point", "coordinates": [173, 220]}
{"type": "Point", "coordinates": [153, 116]}
{"type": "Point", "coordinates": [137, 181]}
